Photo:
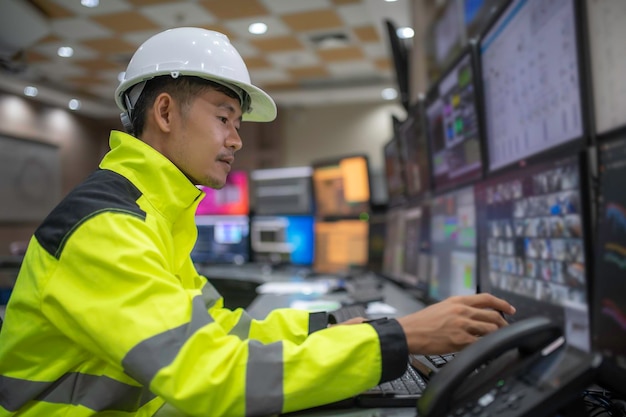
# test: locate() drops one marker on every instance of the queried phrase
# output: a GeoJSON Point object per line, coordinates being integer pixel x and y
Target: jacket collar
{"type": "Point", "coordinates": [159, 180]}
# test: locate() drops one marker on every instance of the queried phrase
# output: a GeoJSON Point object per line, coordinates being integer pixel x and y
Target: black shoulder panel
{"type": "Point", "coordinates": [103, 191]}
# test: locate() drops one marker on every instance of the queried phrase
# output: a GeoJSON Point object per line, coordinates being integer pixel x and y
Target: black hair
{"type": "Point", "coordinates": [184, 89]}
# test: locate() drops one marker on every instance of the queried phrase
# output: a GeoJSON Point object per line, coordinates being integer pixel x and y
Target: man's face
{"type": "Point", "coordinates": [206, 139]}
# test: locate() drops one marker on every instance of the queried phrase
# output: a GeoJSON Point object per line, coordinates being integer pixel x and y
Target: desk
{"type": "Point", "coordinates": [263, 304]}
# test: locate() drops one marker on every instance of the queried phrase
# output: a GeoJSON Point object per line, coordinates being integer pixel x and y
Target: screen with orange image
{"type": "Point", "coordinates": [232, 199]}
{"type": "Point", "coordinates": [340, 245]}
{"type": "Point", "coordinates": [342, 187]}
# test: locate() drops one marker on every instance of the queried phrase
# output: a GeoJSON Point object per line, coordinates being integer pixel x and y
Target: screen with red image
{"type": "Point", "coordinates": [233, 198]}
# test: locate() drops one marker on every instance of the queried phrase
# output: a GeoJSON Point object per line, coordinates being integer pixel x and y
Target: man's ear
{"type": "Point", "coordinates": [163, 109]}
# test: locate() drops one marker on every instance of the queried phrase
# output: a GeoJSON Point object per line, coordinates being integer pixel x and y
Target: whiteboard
{"type": "Point", "coordinates": [30, 179]}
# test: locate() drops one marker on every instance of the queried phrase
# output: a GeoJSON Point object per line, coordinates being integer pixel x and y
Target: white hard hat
{"type": "Point", "coordinates": [194, 52]}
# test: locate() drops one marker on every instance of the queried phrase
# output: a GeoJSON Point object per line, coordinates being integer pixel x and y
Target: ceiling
{"type": "Point", "coordinates": [314, 52]}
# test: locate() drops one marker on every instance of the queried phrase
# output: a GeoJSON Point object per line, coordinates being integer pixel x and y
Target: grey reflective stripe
{"type": "Point", "coordinates": [210, 295]}
{"type": "Point", "coordinates": [99, 393]}
{"type": "Point", "coordinates": [264, 379]}
{"type": "Point", "coordinates": [144, 360]}
{"type": "Point", "coordinates": [242, 328]}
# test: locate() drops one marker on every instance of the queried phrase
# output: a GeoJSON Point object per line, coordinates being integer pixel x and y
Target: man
{"type": "Point", "coordinates": [109, 315]}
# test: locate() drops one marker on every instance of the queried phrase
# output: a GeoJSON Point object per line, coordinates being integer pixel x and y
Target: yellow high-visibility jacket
{"type": "Point", "coordinates": [109, 316]}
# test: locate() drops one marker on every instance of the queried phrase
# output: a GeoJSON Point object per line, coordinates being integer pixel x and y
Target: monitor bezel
{"type": "Point", "coordinates": [470, 49]}
{"type": "Point", "coordinates": [578, 143]}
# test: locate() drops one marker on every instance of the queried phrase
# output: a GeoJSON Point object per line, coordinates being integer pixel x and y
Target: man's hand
{"type": "Point", "coordinates": [454, 323]}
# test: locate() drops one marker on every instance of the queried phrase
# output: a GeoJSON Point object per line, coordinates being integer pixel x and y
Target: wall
{"type": "Point", "coordinates": [81, 142]}
{"type": "Point", "coordinates": [315, 133]}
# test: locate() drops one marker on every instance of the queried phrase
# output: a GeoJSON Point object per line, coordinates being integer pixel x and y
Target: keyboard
{"type": "Point", "coordinates": [401, 392]}
{"type": "Point", "coordinates": [428, 365]}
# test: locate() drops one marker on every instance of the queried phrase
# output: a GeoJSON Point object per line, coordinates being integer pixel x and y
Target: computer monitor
{"type": "Point", "coordinates": [394, 173]}
{"type": "Point", "coordinates": [453, 244]}
{"type": "Point", "coordinates": [531, 81]}
{"type": "Point", "coordinates": [453, 124]}
{"type": "Point", "coordinates": [416, 264]}
{"type": "Point", "coordinates": [376, 243]}
{"type": "Point", "coordinates": [282, 191]}
{"type": "Point", "coordinates": [393, 256]}
{"type": "Point", "coordinates": [222, 239]}
{"type": "Point", "coordinates": [232, 199]}
{"type": "Point", "coordinates": [414, 153]}
{"type": "Point", "coordinates": [532, 245]}
{"type": "Point", "coordinates": [282, 239]}
{"type": "Point", "coordinates": [608, 289]}
{"type": "Point", "coordinates": [606, 39]}
{"type": "Point", "coordinates": [341, 186]}
{"type": "Point", "coordinates": [340, 245]}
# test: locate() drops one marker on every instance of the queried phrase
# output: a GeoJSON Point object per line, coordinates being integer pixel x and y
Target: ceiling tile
{"type": "Point", "coordinates": [234, 9]}
{"type": "Point", "coordinates": [78, 28]}
{"type": "Point", "coordinates": [366, 34]}
{"type": "Point", "coordinates": [98, 64]}
{"type": "Point", "coordinates": [268, 75]}
{"type": "Point", "coordinates": [126, 22]}
{"type": "Point", "coordinates": [353, 69]}
{"type": "Point", "coordinates": [178, 14]}
{"type": "Point", "coordinates": [110, 46]}
{"type": "Point", "coordinates": [51, 9]}
{"type": "Point", "coordinates": [308, 73]}
{"type": "Point", "coordinates": [313, 20]}
{"type": "Point", "coordinates": [257, 62]}
{"type": "Point", "coordinates": [341, 54]}
{"type": "Point", "coordinates": [295, 6]}
{"type": "Point", "coordinates": [342, 2]}
{"type": "Point", "coordinates": [275, 27]}
{"type": "Point", "coordinates": [105, 7]}
{"type": "Point", "coordinates": [294, 59]}
{"type": "Point", "coordinates": [280, 43]}
{"type": "Point", "coordinates": [147, 2]}
{"type": "Point", "coordinates": [355, 14]}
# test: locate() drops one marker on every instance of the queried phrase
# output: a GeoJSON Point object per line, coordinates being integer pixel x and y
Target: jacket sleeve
{"type": "Point", "coordinates": [113, 293]}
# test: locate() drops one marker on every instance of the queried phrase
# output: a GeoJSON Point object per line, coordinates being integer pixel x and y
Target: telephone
{"type": "Point", "coordinates": [524, 369]}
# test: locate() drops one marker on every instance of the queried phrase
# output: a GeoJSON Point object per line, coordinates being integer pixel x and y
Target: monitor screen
{"type": "Point", "coordinates": [376, 243]}
{"type": "Point", "coordinates": [394, 175]}
{"type": "Point", "coordinates": [232, 199]}
{"type": "Point", "coordinates": [453, 125]}
{"type": "Point", "coordinates": [414, 152]}
{"type": "Point", "coordinates": [453, 244]}
{"type": "Point", "coordinates": [282, 191]}
{"type": "Point", "coordinates": [609, 292]}
{"type": "Point", "coordinates": [340, 245]}
{"type": "Point", "coordinates": [532, 245]}
{"type": "Point", "coordinates": [606, 37]}
{"type": "Point", "coordinates": [531, 81]}
{"type": "Point", "coordinates": [282, 239]}
{"type": "Point", "coordinates": [222, 239]}
{"type": "Point", "coordinates": [342, 187]}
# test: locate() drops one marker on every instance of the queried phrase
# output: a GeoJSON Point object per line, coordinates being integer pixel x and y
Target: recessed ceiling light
{"type": "Point", "coordinates": [390, 1]}
{"type": "Point", "coordinates": [90, 3]}
{"type": "Point", "coordinates": [31, 91]}
{"type": "Point", "coordinates": [257, 28]}
{"type": "Point", "coordinates": [74, 104]}
{"type": "Point", "coordinates": [389, 93]}
{"type": "Point", "coordinates": [405, 32]}
{"type": "Point", "coordinates": [65, 51]}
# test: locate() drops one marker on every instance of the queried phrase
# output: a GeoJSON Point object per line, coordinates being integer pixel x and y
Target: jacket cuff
{"type": "Point", "coordinates": [318, 321]}
{"type": "Point", "coordinates": [393, 348]}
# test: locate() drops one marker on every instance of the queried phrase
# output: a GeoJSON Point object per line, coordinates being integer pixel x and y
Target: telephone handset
{"type": "Point", "coordinates": [514, 371]}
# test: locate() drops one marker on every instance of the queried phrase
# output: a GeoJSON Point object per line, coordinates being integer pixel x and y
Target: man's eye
{"type": "Point", "coordinates": [223, 119]}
